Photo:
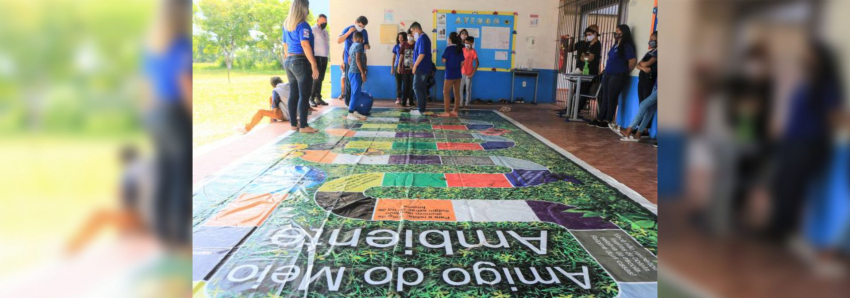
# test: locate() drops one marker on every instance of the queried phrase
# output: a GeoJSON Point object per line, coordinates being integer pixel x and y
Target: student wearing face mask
{"type": "Point", "coordinates": [648, 67]}
{"type": "Point", "coordinates": [621, 61]}
{"type": "Point", "coordinates": [588, 52]}
{"type": "Point", "coordinates": [347, 37]}
{"type": "Point", "coordinates": [321, 53]}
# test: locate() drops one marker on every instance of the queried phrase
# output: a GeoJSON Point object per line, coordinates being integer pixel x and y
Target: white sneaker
{"type": "Point", "coordinates": [358, 115]}
{"type": "Point", "coordinates": [415, 112]}
{"type": "Point", "coordinates": [240, 130]}
{"type": "Point", "coordinates": [629, 139]}
{"type": "Point", "coordinates": [351, 116]}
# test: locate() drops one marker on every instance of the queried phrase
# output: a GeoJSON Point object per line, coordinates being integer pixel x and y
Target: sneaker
{"type": "Point", "coordinates": [313, 103]}
{"type": "Point", "coordinates": [358, 115]}
{"type": "Point", "coordinates": [592, 122]}
{"type": "Point", "coordinates": [629, 139]}
{"type": "Point", "coordinates": [308, 130]}
{"type": "Point", "coordinates": [601, 125]}
{"type": "Point", "coordinates": [351, 117]}
{"type": "Point", "coordinates": [240, 130]}
{"type": "Point", "coordinates": [415, 112]}
{"type": "Point", "coordinates": [321, 102]}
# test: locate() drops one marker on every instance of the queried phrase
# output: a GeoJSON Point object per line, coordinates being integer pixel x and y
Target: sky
{"type": "Point", "coordinates": [320, 7]}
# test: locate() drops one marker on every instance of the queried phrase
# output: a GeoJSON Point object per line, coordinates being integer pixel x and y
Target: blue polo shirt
{"type": "Point", "coordinates": [396, 52]}
{"type": "Point", "coordinates": [293, 38]}
{"type": "Point", "coordinates": [349, 40]}
{"type": "Point", "coordinates": [423, 47]}
{"type": "Point", "coordinates": [619, 64]}
{"type": "Point", "coordinates": [454, 60]}
{"type": "Point", "coordinates": [166, 69]}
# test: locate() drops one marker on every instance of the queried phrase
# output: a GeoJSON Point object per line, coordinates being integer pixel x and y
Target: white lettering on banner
{"type": "Point", "coordinates": [584, 284]}
{"type": "Point", "coordinates": [393, 238]}
{"type": "Point", "coordinates": [369, 280]}
{"type": "Point", "coordinates": [447, 243]}
{"type": "Point", "coordinates": [503, 243]}
{"type": "Point", "coordinates": [537, 279]}
{"type": "Point", "coordinates": [290, 275]}
{"type": "Point", "coordinates": [479, 279]}
{"type": "Point", "coordinates": [455, 283]}
{"type": "Point", "coordinates": [401, 282]}
{"type": "Point", "coordinates": [232, 275]}
{"type": "Point", "coordinates": [352, 242]}
{"type": "Point", "coordinates": [524, 240]}
{"type": "Point", "coordinates": [333, 285]}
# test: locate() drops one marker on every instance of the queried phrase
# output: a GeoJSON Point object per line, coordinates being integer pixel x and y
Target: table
{"type": "Point", "coordinates": [572, 107]}
{"type": "Point", "coordinates": [524, 73]}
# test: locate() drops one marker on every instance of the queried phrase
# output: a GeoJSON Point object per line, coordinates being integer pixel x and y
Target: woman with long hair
{"type": "Point", "coordinates": [621, 61]}
{"type": "Point", "coordinates": [398, 56]}
{"type": "Point", "coordinates": [301, 67]}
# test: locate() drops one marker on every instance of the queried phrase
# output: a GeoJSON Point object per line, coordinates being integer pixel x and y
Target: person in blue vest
{"type": "Point", "coordinates": [347, 37]}
{"type": "Point", "coordinates": [622, 59]}
{"type": "Point", "coordinates": [423, 65]}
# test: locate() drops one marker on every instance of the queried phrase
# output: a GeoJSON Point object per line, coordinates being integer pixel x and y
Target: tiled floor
{"type": "Point", "coordinates": [633, 164]}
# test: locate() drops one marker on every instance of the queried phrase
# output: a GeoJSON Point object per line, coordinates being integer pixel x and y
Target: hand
{"type": "Point", "coordinates": [414, 69]}
{"type": "Point", "coordinates": [392, 71]}
{"type": "Point", "coordinates": [363, 76]}
{"type": "Point", "coordinates": [315, 72]}
{"type": "Point", "coordinates": [342, 67]}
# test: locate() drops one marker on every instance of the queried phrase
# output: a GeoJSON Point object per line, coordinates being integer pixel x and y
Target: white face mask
{"type": "Point", "coordinates": [358, 28]}
{"type": "Point", "coordinates": [591, 38]}
{"type": "Point", "coordinates": [410, 38]}
{"type": "Point", "coordinates": [468, 46]}
{"type": "Point", "coordinates": [416, 35]}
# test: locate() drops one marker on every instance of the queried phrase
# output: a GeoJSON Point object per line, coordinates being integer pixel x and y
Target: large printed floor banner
{"type": "Point", "coordinates": [408, 205]}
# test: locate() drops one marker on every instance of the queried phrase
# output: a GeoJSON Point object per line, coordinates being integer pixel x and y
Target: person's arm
{"type": "Point", "coordinates": [393, 67]}
{"type": "Point", "coordinates": [308, 51]}
{"type": "Point", "coordinates": [632, 64]}
{"type": "Point", "coordinates": [285, 50]}
{"type": "Point", "coordinates": [360, 65]}
{"type": "Point", "coordinates": [342, 37]}
{"type": "Point", "coordinates": [366, 40]}
{"type": "Point", "coordinates": [419, 59]}
{"type": "Point", "coordinates": [475, 65]}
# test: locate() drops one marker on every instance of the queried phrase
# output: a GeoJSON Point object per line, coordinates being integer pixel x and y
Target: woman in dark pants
{"type": "Point", "coordinates": [301, 67]}
{"type": "Point", "coordinates": [621, 61]}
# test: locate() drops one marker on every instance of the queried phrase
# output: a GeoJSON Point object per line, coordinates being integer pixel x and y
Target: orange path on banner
{"type": "Point", "coordinates": [416, 210]}
{"type": "Point", "coordinates": [477, 180]}
{"type": "Point", "coordinates": [246, 211]}
{"type": "Point", "coordinates": [459, 146]}
{"type": "Point", "coordinates": [319, 156]}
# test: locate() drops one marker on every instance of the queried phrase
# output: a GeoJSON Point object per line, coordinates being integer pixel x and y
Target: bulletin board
{"type": "Point", "coordinates": [494, 32]}
{"type": "Point", "coordinates": [389, 32]}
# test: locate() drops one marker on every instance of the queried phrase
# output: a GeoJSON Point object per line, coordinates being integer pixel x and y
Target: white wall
{"type": "Point", "coordinates": [343, 13]}
{"type": "Point", "coordinates": [640, 20]}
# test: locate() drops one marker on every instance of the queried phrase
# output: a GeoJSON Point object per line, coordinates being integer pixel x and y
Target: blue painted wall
{"type": "Point", "coordinates": [628, 106]}
{"type": "Point", "coordinates": [486, 85]}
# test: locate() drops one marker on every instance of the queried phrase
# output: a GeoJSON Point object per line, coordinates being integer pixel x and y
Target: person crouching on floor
{"type": "Point", "coordinates": [280, 96]}
{"type": "Point", "coordinates": [356, 75]}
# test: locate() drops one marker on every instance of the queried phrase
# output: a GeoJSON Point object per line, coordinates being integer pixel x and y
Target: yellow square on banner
{"type": "Point", "coordinates": [369, 145]}
{"type": "Point", "coordinates": [379, 126]}
{"type": "Point", "coordinates": [354, 183]}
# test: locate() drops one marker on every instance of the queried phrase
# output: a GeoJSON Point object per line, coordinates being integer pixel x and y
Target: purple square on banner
{"type": "Point", "coordinates": [204, 261]}
{"type": "Point", "coordinates": [222, 237]}
{"type": "Point", "coordinates": [497, 145]}
{"type": "Point", "coordinates": [555, 213]}
{"type": "Point", "coordinates": [479, 126]}
{"type": "Point", "coordinates": [414, 159]}
{"type": "Point", "coordinates": [523, 178]}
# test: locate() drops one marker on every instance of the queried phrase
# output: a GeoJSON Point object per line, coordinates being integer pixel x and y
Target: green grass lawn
{"type": "Point", "coordinates": [218, 106]}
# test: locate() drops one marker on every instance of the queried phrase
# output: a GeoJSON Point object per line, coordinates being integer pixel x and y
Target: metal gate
{"type": "Point", "coordinates": [573, 18]}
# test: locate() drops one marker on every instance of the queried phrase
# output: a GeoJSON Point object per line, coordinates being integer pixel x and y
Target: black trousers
{"type": "Point", "coordinates": [612, 85]}
{"type": "Point", "coordinates": [646, 82]}
{"type": "Point", "coordinates": [798, 162]}
{"type": "Point", "coordinates": [398, 86]}
{"type": "Point", "coordinates": [406, 89]}
{"type": "Point", "coordinates": [347, 94]}
{"type": "Point", "coordinates": [322, 64]}
{"type": "Point", "coordinates": [171, 129]}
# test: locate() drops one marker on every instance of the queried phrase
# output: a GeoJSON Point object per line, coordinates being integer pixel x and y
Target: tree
{"type": "Point", "coordinates": [229, 21]}
{"type": "Point", "coordinates": [269, 16]}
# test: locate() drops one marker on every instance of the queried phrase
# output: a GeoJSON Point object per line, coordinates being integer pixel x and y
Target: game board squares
{"type": "Point", "coordinates": [414, 179]}
{"type": "Point", "coordinates": [374, 159]}
{"type": "Point", "coordinates": [416, 135]}
{"type": "Point", "coordinates": [478, 180]}
{"type": "Point", "coordinates": [459, 146]}
{"type": "Point", "coordinates": [247, 210]}
{"type": "Point", "coordinates": [557, 213]}
{"type": "Point", "coordinates": [516, 163]}
{"type": "Point", "coordinates": [478, 126]}
{"type": "Point", "coordinates": [497, 145]}
{"type": "Point", "coordinates": [204, 260]}
{"type": "Point", "coordinates": [218, 237]}
{"type": "Point", "coordinates": [449, 127]}
{"type": "Point", "coordinates": [414, 159]}
{"type": "Point", "coordinates": [369, 145]}
{"type": "Point", "coordinates": [414, 146]}
{"type": "Point", "coordinates": [454, 135]}
{"type": "Point", "coordinates": [467, 160]}
{"type": "Point", "coordinates": [379, 126]}
{"type": "Point", "coordinates": [319, 156]}
{"type": "Point", "coordinates": [375, 134]}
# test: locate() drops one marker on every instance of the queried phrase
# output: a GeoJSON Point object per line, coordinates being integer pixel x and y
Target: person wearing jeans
{"type": "Point", "coordinates": [423, 65]}
{"type": "Point", "coordinates": [644, 116]}
{"type": "Point", "coordinates": [300, 64]}
{"type": "Point", "coordinates": [621, 61]}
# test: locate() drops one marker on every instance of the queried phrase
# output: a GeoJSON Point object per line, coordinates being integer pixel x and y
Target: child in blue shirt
{"type": "Point", "coordinates": [453, 59]}
{"type": "Point", "coordinates": [356, 77]}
